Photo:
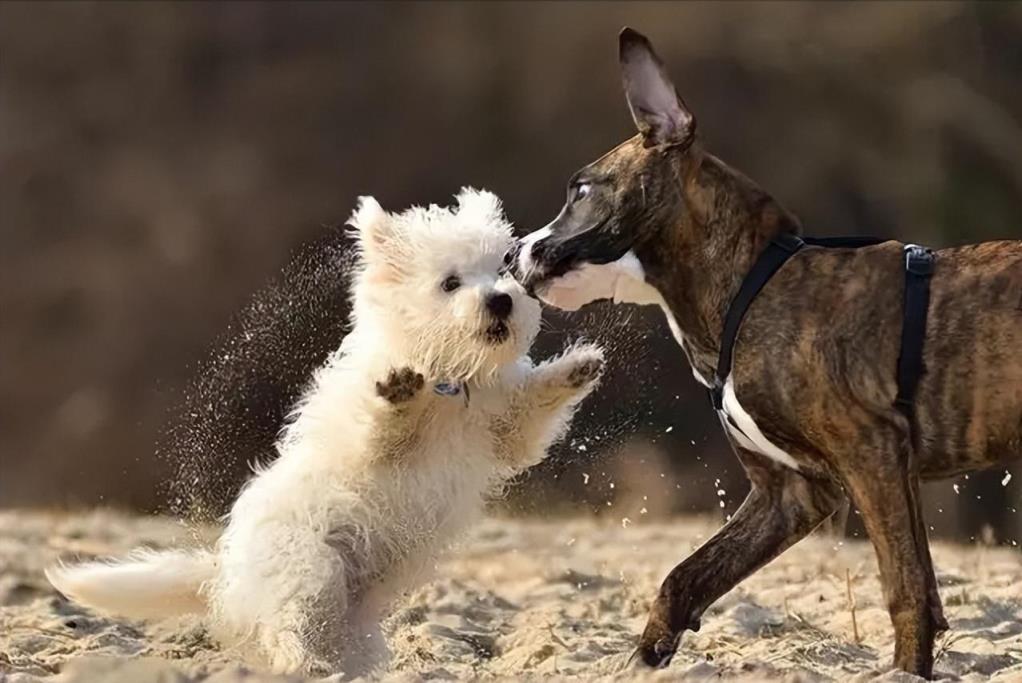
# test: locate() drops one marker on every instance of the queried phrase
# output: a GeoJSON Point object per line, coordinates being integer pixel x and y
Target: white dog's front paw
{"type": "Point", "coordinates": [579, 368]}
{"type": "Point", "coordinates": [585, 366]}
{"type": "Point", "coordinates": [400, 386]}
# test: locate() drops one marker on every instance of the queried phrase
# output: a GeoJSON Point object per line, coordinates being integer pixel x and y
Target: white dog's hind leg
{"type": "Point", "coordinates": [306, 634]}
{"type": "Point", "coordinates": [286, 652]}
{"type": "Point", "coordinates": [365, 650]}
{"type": "Point", "coordinates": [284, 587]}
{"type": "Point", "coordinates": [326, 639]}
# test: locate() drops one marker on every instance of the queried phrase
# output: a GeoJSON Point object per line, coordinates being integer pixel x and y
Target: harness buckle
{"type": "Point", "coordinates": [918, 260]}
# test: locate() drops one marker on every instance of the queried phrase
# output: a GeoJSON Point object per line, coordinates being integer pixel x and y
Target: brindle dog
{"type": "Point", "coordinates": [659, 220]}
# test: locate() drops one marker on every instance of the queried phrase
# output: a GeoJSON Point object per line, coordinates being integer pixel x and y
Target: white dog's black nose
{"type": "Point", "coordinates": [499, 305]}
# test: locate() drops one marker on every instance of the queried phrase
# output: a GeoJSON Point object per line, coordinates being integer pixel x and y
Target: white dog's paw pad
{"type": "Point", "coordinates": [401, 385]}
{"type": "Point", "coordinates": [586, 371]}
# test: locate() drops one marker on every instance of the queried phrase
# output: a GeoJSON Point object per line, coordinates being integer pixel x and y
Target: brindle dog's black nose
{"type": "Point", "coordinates": [499, 305]}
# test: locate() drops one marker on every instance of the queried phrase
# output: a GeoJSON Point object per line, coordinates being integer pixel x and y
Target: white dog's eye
{"type": "Point", "coordinates": [450, 283]}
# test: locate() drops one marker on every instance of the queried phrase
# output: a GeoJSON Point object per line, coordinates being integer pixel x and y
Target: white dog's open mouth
{"type": "Point", "coordinates": [497, 332]}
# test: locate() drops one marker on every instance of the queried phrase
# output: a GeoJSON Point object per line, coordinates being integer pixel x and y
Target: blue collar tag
{"type": "Point", "coordinates": [447, 389]}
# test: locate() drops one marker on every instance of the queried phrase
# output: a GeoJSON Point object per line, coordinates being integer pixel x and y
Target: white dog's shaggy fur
{"type": "Point", "coordinates": [430, 403]}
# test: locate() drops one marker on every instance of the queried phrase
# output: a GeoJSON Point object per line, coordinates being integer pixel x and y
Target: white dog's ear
{"type": "Point", "coordinates": [479, 205]}
{"type": "Point", "coordinates": [378, 238]}
{"type": "Point", "coordinates": [376, 233]}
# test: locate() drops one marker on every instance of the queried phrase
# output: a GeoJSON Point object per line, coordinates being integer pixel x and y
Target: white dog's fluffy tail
{"type": "Point", "coordinates": [147, 585]}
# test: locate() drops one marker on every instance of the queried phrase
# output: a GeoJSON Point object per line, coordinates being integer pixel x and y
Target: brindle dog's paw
{"type": "Point", "coordinates": [587, 366]}
{"type": "Point", "coordinates": [401, 385]}
{"type": "Point", "coordinates": [656, 656]}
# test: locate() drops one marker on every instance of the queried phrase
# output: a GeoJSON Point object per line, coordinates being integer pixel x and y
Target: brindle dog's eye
{"type": "Point", "coordinates": [580, 191]}
{"type": "Point", "coordinates": [450, 283]}
{"type": "Point", "coordinates": [510, 256]}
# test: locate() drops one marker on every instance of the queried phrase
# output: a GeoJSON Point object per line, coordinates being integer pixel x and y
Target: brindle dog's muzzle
{"type": "Point", "coordinates": [551, 257]}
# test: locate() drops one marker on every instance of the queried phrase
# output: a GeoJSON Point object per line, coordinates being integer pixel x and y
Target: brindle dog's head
{"type": "Point", "coordinates": [623, 198]}
{"type": "Point", "coordinates": [654, 200]}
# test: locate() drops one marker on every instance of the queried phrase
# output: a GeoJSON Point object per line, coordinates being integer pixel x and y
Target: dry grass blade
{"type": "Point", "coordinates": [851, 607]}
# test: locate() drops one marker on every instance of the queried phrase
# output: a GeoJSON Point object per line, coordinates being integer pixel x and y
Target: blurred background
{"type": "Point", "coordinates": [162, 164]}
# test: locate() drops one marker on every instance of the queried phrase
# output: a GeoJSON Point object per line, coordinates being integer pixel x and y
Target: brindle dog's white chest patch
{"type": "Point", "coordinates": [745, 430]}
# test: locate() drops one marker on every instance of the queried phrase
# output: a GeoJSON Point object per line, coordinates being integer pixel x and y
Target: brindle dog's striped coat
{"type": "Point", "coordinates": [814, 363]}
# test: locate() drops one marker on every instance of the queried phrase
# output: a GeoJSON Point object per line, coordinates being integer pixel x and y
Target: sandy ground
{"type": "Point", "coordinates": [531, 599]}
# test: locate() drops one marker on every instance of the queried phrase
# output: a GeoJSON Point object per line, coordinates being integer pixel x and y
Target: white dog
{"type": "Point", "coordinates": [430, 403]}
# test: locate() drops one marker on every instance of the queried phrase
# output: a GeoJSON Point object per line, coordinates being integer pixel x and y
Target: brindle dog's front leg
{"type": "Point", "coordinates": [782, 508]}
{"type": "Point", "coordinates": [882, 480]}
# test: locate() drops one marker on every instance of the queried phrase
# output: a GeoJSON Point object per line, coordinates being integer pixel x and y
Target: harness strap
{"type": "Point", "coordinates": [919, 266]}
{"type": "Point", "coordinates": [776, 254]}
{"type": "Point", "coordinates": [854, 242]}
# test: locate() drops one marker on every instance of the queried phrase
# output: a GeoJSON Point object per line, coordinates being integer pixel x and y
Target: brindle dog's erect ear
{"type": "Point", "coordinates": [660, 115]}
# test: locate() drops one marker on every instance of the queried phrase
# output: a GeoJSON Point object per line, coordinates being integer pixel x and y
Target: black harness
{"type": "Point", "coordinates": [919, 266]}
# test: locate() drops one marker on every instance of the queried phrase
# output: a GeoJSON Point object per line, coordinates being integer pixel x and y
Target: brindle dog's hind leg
{"type": "Point", "coordinates": [782, 508]}
{"type": "Point", "coordinates": [882, 480]}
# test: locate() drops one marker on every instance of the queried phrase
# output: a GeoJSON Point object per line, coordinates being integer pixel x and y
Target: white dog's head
{"type": "Point", "coordinates": [436, 283]}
